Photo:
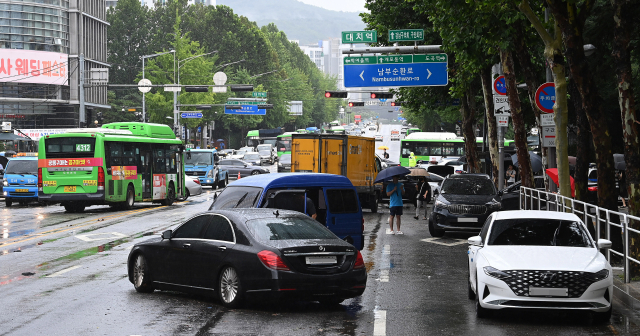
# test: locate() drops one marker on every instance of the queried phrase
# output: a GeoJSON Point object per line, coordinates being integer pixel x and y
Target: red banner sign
{"type": "Point", "coordinates": [54, 163]}
{"type": "Point", "coordinates": [124, 172]}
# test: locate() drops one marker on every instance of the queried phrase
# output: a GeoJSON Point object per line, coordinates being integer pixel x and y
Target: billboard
{"type": "Point", "coordinates": [36, 134]}
{"type": "Point", "coordinates": [32, 66]}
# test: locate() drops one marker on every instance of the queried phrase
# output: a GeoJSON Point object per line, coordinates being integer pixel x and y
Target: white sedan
{"type": "Point", "coordinates": [379, 137]}
{"type": "Point", "coordinates": [529, 259]}
{"type": "Point", "coordinates": [192, 187]}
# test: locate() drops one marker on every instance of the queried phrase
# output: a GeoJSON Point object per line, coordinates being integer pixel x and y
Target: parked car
{"type": "Point", "coordinates": [253, 158]}
{"type": "Point", "coordinates": [379, 137]}
{"type": "Point", "coordinates": [334, 198]}
{"type": "Point", "coordinates": [238, 166]}
{"type": "Point", "coordinates": [539, 260]}
{"type": "Point", "coordinates": [284, 163]}
{"type": "Point", "coordinates": [246, 253]}
{"type": "Point", "coordinates": [510, 198]}
{"type": "Point", "coordinates": [192, 187]}
{"type": "Point", "coordinates": [463, 203]}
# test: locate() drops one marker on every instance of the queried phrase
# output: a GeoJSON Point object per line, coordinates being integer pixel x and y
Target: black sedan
{"type": "Point", "coordinates": [238, 166]}
{"type": "Point", "coordinates": [250, 253]}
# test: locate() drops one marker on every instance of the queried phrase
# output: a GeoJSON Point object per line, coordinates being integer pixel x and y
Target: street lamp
{"type": "Point", "coordinates": [143, 94]}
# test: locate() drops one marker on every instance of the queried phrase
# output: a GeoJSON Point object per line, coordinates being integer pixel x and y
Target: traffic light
{"type": "Point", "coordinates": [265, 106]}
{"type": "Point", "coordinates": [352, 104]}
{"type": "Point", "coordinates": [335, 94]}
{"type": "Point", "coordinates": [241, 88]}
{"type": "Point", "coordinates": [397, 103]}
{"type": "Point", "coordinates": [196, 89]}
{"type": "Point", "coordinates": [381, 95]}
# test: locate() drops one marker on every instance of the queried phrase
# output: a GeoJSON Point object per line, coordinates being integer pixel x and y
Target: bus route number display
{"type": "Point", "coordinates": [83, 147]}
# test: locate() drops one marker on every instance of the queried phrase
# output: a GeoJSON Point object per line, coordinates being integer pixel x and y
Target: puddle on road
{"type": "Point", "coordinates": [373, 238]}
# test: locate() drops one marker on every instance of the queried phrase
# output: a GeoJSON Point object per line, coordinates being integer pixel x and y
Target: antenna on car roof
{"type": "Point", "coordinates": [277, 213]}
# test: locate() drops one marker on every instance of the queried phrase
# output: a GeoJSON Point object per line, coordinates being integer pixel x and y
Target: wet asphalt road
{"type": "Point", "coordinates": [70, 278]}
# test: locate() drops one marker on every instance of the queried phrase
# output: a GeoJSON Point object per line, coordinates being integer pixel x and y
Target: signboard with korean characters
{"type": "Point", "coordinates": [33, 66]}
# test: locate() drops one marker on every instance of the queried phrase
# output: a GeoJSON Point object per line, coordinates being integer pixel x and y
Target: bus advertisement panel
{"type": "Point", "coordinates": [118, 164]}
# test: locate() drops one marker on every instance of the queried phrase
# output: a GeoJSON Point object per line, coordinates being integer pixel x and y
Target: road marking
{"type": "Point", "coordinates": [385, 264]}
{"type": "Point", "coordinates": [100, 236]}
{"type": "Point", "coordinates": [62, 272]}
{"type": "Point", "coordinates": [380, 322]}
{"type": "Point", "coordinates": [384, 275]}
{"type": "Point", "coordinates": [387, 249]}
{"type": "Point", "coordinates": [445, 241]}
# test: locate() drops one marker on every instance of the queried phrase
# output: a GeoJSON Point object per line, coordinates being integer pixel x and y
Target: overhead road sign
{"type": "Point", "coordinates": [420, 49]}
{"type": "Point", "coordinates": [501, 105]}
{"type": "Point", "coordinates": [257, 94]}
{"type": "Point", "coordinates": [396, 70]}
{"type": "Point", "coordinates": [186, 115]}
{"type": "Point", "coordinates": [546, 97]}
{"type": "Point", "coordinates": [235, 102]}
{"type": "Point", "coordinates": [499, 86]}
{"type": "Point", "coordinates": [406, 35]}
{"type": "Point", "coordinates": [244, 110]}
{"type": "Point", "coordinates": [360, 36]}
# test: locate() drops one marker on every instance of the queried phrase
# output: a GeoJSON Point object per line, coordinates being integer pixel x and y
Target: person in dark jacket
{"type": "Point", "coordinates": [423, 197]}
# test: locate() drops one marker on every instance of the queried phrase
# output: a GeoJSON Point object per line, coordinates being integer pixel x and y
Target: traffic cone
{"type": "Point", "coordinates": [238, 175]}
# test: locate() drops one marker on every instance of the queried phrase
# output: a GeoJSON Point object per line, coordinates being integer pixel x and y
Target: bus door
{"type": "Point", "coordinates": [145, 170]}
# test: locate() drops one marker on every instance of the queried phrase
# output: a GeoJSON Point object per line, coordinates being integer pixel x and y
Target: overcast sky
{"type": "Point", "coordinates": [338, 5]}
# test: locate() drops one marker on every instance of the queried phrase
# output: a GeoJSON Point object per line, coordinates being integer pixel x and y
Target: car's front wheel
{"type": "Point", "coordinates": [229, 288]}
{"type": "Point", "coordinates": [470, 292]}
{"type": "Point", "coordinates": [481, 312]}
{"type": "Point", "coordinates": [141, 281]}
{"type": "Point", "coordinates": [433, 231]}
{"type": "Point", "coordinates": [603, 317]}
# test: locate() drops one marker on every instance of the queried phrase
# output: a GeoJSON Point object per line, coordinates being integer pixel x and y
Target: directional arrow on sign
{"type": "Point", "coordinates": [429, 73]}
{"type": "Point", "coordinates": [362, 73]}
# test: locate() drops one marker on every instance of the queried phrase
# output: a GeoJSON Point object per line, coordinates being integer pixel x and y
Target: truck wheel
{"type": "Point", "coordinates": [223, 183]}
{"type": "Point", "coordinates": [373, 202]}
{"type": "Point", "coordinates": [8, 202]}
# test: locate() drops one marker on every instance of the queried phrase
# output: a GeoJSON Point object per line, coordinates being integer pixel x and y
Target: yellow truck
{"type": "Point", "coordinates": [351, 156]}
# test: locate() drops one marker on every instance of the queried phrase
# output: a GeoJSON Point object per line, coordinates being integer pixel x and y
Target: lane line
{"type": "Point", "coordinates": [380, 323]}
{"type": "Point", "coordinates": [62, 272]}
{"type": "Point", "coordinates": [387, 249]}
{"type": "Point", "coordinates": [384, 275]}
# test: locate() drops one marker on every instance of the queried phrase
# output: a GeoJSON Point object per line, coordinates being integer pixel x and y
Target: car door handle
{"type": "Point", "coordinates": [222, 248]}
{"type": "Point", "coordinates": [186, 245]}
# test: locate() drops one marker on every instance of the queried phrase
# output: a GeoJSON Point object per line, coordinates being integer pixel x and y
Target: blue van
{"type": "Point", "coordinates": [203, 164]}
{"type": "Point", "coordinates": [334, 197]}
{"type": "Point", "coordinates": [20, 182]}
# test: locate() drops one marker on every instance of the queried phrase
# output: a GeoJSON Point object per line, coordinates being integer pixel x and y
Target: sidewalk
{"type": "Point", "coordinates": [628, 293]}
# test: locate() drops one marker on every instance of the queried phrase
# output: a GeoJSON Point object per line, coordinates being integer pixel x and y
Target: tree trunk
{"type": "Point", "coordinates": [520, 137]}
{"type": "Point", "coordinates": [583, 146]}
{"type": "Point", "coordinates": [623, 23]}
{"type": "Point", "coordinates": [468, 118]}
{"type": "Point", "coordinates": [572, 27]}
{"type": "Point", "coordinates": [492, 127]}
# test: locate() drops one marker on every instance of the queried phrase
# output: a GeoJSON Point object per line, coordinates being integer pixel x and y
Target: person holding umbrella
{"type": "Point", "coordinates": [394, 190]}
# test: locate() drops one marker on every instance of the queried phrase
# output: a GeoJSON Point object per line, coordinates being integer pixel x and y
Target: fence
{"type": "Point", "coordinates": [533, 199]}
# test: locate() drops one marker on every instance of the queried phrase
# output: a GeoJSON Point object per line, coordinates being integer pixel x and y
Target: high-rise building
{"type": "Point", "coordinates": [40, 45]}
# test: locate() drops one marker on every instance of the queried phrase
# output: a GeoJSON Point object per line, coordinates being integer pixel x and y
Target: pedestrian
{"type": "Point", "coordinates": [395, 190]}
{"type": "Point", "coordinates": [385, 154]}
{"type": "Point", "coordinates": [412, 160]}
{"type": "Point", "coordinates": [423, 196]}
{"type": "Point", "coordinates": [309, 206]}
{"type": "Point", "coordinates": [511, 175]}
{"type": "Point", "coordinates": [622, 186]}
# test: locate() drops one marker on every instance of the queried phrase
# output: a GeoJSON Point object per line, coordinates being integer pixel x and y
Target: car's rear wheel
{"type": "Point", "coordinates": [141, 280]}
{"type": "Point", "coordinates": [229, 288]}
{"type": "Point", "coordinates": [480, 311]}
{"type": "Point", "coordinates": [186, 194]}
{"type": "Point", "coordinates": [433, 231]}
{"type": "Point", "coordinates": [603, 317]}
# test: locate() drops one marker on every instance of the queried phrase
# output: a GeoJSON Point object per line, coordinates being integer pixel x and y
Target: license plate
{"type": "Point", "coordinates": [538, 291]}
{"type": "Point", "coordinates": [70, 189]}
{"type": "Point", "coordinates": [322, 260]}
{"type": "Point", "coordinates": [468, 220]}
{"type": "Point", "coordinates": [22, 190]}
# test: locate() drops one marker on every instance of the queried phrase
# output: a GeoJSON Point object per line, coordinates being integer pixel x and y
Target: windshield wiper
{"type": "Point", "coordinates": [241, 199]}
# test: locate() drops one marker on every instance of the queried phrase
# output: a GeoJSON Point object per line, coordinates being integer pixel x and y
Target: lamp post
{"type": "Point", "coordinates": [144, 114]}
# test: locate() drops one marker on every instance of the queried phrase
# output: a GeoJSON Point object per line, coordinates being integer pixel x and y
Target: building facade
{"type": "Point", "coordinates": [41, 42]}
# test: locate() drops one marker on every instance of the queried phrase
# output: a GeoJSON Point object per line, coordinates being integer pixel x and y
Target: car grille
{"type": "Point", "coordinates": [23, 194]}
{"type": "Point", "coordinates": [575, 282]}
{"type": "Point", "coordinates": [196, 173]}
{"type": "Point", "coordinates": [461, 209]}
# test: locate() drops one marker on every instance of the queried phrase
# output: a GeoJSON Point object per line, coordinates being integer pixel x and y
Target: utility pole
{"type": "Point", "coordinates": [82, 118]}
{"type": "Point", "coordinates": [551, 151]}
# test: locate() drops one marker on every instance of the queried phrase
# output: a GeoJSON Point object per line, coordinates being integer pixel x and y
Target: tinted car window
{"type": "Point", "coordinates": [199, 159]}
{"type": "Point", "coordinates": [225, 162]}
{"type": "Point", "coordinates": [219, 228]}
{"type": "Point", "coordinates": [237, 197]}
{"type": "Point", "coordinates": [80, 147]}
{"type": "Point", "coordinates": [468, 186]}
{"type": "Point", "coordinates": [538, 232]}
{"type": "Point", "coordinates": [191, 229]}
{"type": "Point", "coordinates": [485, 229]}
{"type": "Point", "coordinates": [286, 228]}
{"type": "Point", "coordinates": [238, 163]}
{"type": "Point", "coordinates": [22, 167]}
{"type": "Point", "coordinates": [255, 156]}
{"type": "Point", "coordinates": [342, 201]}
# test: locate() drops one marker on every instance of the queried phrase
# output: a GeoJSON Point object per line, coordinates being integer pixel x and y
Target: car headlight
{"type": "Point", "coordinates": [601, 275]}
{"type": "Point", "coordinates": [493, 205]}
{"type": "Point", "coordinates": [441, 204]}
{"type": "Point", "coordinates": [210, 174]}
{"type": "Point", "coordinates": [5, 183]}
{"type": "Point", "coordinates": [496, 273]}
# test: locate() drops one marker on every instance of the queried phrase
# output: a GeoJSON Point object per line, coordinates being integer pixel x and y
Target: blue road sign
{"type": "Point", "coordinates": [199, 129]}
{"type": "Point", "coordinates": [191, 115]}
{"type": "Point", "coordinates": [399, 74]}
{"type": "Point", "coordinates": [546, 97]}
{"type": "Point", "coordinates": [247, 110]}
{"type": "Point", "coordinates": [499, 86]}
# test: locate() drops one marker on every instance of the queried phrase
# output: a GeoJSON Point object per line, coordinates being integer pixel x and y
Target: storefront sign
{"type": "Point", "coordinates": [32, 66]}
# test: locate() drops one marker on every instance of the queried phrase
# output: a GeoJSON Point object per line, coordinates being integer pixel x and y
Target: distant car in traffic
{"type": "Point", "coordinates": [284, 163]}
{"type": "Point", "coordinates": [253, 158]}
{"type": "Point", "coordinates": [463, 203]}
{"type": "Point", "coordinates": [20, 180]}
{"type": "Point", "coordinates": [226, 153]}
{"type": "Point", "coordinates": [245, 253]}
{"type": "Point", "coordinates": [379, 137]}
{"type": "Point", "coordinates": [373, 128]}
{"type": "Point", "coordinates": [539, 260]}
{"type": "Point", "coordinates": [239, 154]}
{"type": "Point", "coordinates": [192, 187]}
{"type": "Point", "coordinates": [267, 157]}
{"type": "Point", "coordinates": [238, 166]}
{"type": "Point", "coordinates": [395, 137]}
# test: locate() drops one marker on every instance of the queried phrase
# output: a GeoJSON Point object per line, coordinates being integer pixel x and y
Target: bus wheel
{"type": "Point", "coordinates": [171, 196]}
{"type": "Point", "coordinates": [74, 207]}
{"type": "Point", "coordinates": [131, 197]}
{"type": "Point", "coordinates": [8, 202]}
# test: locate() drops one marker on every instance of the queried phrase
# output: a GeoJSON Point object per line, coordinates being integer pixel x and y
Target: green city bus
{"type": "Point", "coordinates": [427, 145]}
{"type": "Point", "coordinates": [283, 143]}
{"type": "Point", "coordinates": [118, 164]}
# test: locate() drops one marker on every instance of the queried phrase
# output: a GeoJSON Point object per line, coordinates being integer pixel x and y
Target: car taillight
{"type": "Point", "coordinates": [100, 178]}
{"type": "Point", "coordinates": [197, 181]}
{"type": "Point", "coordinates": [592, 188]}
{"type": "Point", "coordinates": [272, 261]}
{"type": "Point", "coordinates": [39, 179]}
{"type": "Point", "coordinates": [359, 262]}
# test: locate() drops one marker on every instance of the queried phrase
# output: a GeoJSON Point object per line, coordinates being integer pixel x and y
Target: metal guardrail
{"type": "Point", "coordinates": [533, 199]}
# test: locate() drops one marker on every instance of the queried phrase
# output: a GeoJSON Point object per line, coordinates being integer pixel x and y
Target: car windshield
{"type": "Point", "coordinates": [468, 186]}
{"type": "Point", "coordinates": [264, 148]}
{"type": "Point", "coordinates": [22, 167]}
{"type": "Point", "coordinates": [252, 156]}
{"type": "Point", "coordinates": [265, 153]}
{"type": "Point", "coordinates": [287, 228]}
{"type": "Point", "coordinates": [539, 232]}
{"type": "Point", "coordinates": [240, 152]}
{"type": "Point", "coordinates": [236, 197]}
{"type": "Point", "coordinates": [285, 158]}
{"type": "Point", "coordinates": [199, 159]}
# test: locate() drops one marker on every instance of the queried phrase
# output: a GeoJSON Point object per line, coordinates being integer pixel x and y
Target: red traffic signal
{"type": "Point", "coordinates": [352, 104]}
{"type": "Point", "coordinates": [335, 94]}
{"type": "Point", "coordinates": [381, 95]}
{"type": "Point", "coordinates": [397, 103]}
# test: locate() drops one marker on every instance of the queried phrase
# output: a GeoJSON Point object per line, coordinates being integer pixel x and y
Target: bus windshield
{"type": "Point", "coordinates": [284, 145]}
{"type": "Point", "coordinates": [80, 147]}
{"type": "Point", "coordinates": [198, 159]}
{"type": "Point", "coordinates": [22, 167]}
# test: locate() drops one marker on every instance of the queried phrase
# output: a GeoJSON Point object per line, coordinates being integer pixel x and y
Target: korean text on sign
{"type": "Point", "coordinates": [32, 66]}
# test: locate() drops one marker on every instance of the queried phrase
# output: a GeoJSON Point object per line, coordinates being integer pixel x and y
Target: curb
{"type": "Point", "coordinates": [629, 296]}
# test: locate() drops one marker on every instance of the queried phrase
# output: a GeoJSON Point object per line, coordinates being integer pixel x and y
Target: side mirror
{"type": "Point", "coordinates": [167, 234]}
{"type": "Point", "coordinates": [475, 241]}
{"type": "Point", "coordinates": [501, 192]}
{"type": "Point", "coordinates": [604, 244]}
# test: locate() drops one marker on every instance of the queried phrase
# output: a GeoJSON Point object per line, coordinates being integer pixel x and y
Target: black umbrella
{"type": "Point", "coordinates": [536, 161]}
{"type": "Point", "coordinates": [390, 172]}
{"type": "Point", "coordinates": [618, 160]}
